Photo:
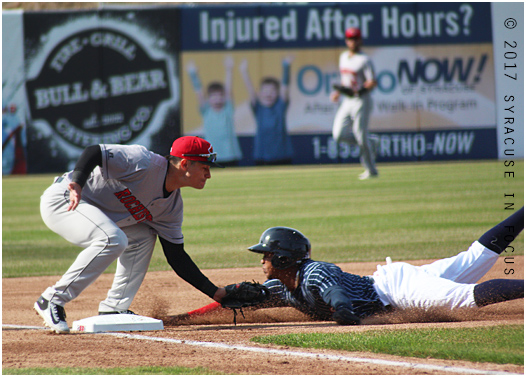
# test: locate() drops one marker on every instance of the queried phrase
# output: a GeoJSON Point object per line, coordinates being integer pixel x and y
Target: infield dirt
{"type": "Point", "coordinates": [164, 294]}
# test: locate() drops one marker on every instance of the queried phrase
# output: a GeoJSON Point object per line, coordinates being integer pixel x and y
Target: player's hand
{"type": "Point", "coordinates": [334, 96]}
{"type": "Point", "coordinates": [288, 59]}
{"type": "Point", "coordinates": [220, 293]}
{"type": "Point", "coordinates": [191, 67]}
{"type": "Point", "coordinates": [74, 195]}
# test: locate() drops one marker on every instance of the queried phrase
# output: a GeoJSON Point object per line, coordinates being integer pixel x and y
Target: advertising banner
{"type": "Point", "coordinates": [508, 49]}
{"type": "Point", "coordinates": [433, 63]}
{"type": "Point", "coordinates": [14, 126]}
{"type": "Point", "coordinates": [148, 75]}
{"type": "Point", "coordinates": [105, 76]}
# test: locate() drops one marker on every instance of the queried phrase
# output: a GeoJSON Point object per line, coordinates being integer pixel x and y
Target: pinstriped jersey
{"type": "Point", "coordinates": [316, 277]}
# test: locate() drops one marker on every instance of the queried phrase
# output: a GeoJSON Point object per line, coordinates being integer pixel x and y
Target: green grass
{"type": "Point", "coordinates": [499, 344]}
{"type": "Point", "coordinates": [420, 210]}
{"type": "Point", "coordinates": [413, 211]}
{"type": "Point", "coordinates": [110, 371]}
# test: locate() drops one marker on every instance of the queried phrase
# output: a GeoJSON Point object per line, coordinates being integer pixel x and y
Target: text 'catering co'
{"type": "Point", "coordinates": [232, 29]}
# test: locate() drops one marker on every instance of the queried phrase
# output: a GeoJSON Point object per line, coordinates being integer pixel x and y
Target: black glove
{"type": "Point", "coordinates": [345, 316]}
{"type": "Point", "coordinates": [349, 92]}
{"type": "Point", "coordinates": [362, 91]}
{"type": "Point", "coordinates": [344, 90]}
{"type": "Point", "coordinates": [244, 294]}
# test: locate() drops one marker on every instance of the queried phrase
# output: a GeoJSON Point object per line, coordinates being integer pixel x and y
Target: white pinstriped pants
{"type": "Point", "coordinates": [446, 283]}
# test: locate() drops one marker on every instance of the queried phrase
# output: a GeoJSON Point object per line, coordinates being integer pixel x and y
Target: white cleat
{"type": "Point", "coordinates": [367, 175]}
{"type": "Point", "coordinates": [54, 315]}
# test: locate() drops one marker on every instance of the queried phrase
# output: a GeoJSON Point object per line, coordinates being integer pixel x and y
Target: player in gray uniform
{"type": "Point", "coordinates": [114, 204]}
{"type": "Point", "coordinates": [323, 291]}
{"type": "Point", "coordinates": [352, 118]}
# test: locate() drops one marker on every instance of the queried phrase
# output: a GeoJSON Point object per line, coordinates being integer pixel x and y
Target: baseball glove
{"type": "Point", "coordinates": [344, 90]}
{"type": "Point", "coordinates": [348, 91]}
{"type": "Point", "coordinates": [245, 294]}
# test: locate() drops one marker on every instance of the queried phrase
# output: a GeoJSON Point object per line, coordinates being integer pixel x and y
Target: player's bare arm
{"type": "Point", "coordinates": [193, 72]}
{"type": "Point", "coordinates": [285, 80]}
{"type": "Point", "coordinates": [229, 66]}
{"type": "Point", "coordinates": [243, 68]}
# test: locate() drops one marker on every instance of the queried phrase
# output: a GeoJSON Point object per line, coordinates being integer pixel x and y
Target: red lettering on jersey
{"type": "Point", "coordinates": [139, 215]}
{"type": "Point", "coordinates": [144, 215]}
{"type": "Point", "coordinates": [134, 210]}
{"type": "Point", "coordinates": [148, 218]}
{"type": "Point", "coordinates": [134, 206]}
{"type": "Point", "coordinates": [122, 193]}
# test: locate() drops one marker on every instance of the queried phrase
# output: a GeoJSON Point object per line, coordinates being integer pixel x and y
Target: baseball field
{"type": "Point", "coordinates": [413, 212]}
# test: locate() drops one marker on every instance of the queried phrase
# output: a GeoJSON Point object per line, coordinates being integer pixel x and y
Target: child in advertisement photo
{"type": "Point", "coordinates": [272, 143]}
{"type": "Point", "coordinates": [217, 111]}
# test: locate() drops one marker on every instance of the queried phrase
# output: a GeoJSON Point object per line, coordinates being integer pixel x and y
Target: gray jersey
{"type": "Point", "coordinates": [355, 70]}
{"type": "Point", "coordinates": [129, 190]}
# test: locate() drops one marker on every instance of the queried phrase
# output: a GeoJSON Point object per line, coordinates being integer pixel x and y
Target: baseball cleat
{"type": "Point", "coordinates": [118, 312]}
{"type": "Point", "coordinates": [367, 175]}
{"type": "Point", "coordinates": [54, 315]}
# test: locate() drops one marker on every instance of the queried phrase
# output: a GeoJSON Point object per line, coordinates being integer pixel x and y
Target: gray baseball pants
{"type": "Point", "coordinates": [103, 242]}
{"type": "Point", "coordinates": [351, 126]}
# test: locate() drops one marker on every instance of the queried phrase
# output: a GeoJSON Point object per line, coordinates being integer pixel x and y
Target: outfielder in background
{"type": "Point", "coordinates": [272, 142]}
{"type": "Point", "coordinates": [324, 292]}
{"type": "Point", "coordinates": [351, 122]}
{"type": "Point", "coordinates": [217, 110]}
{"type": "Point", "coordinates": [114, 204]}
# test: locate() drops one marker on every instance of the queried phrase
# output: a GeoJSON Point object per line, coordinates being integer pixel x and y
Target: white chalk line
{"type": "Point", "coordinates": [21, 327]}
{"type": "Point", "coordinates": [311, 355]}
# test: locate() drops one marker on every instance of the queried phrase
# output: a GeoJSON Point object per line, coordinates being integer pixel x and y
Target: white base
{"type": "Point", "coordinates": [117, 322]}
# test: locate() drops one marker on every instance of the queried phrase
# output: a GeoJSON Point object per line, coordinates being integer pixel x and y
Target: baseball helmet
{"type": "Point", "coordinates": [353, 32]}
{"type": "Point", "coordinates": [288, 245]}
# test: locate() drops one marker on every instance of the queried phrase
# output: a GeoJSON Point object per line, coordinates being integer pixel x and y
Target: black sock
{"type": "Point", "coordinates": [499, 237]}
{"type": "Point", "coordinates": [498, 290]}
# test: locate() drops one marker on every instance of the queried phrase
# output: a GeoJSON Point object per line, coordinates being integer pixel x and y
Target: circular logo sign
{"type": "Point", "coordinates": [98, 86]}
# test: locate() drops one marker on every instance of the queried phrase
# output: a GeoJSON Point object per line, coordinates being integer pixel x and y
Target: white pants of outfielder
{"type": "Point", "coordinates": [351, 127]}
{"type": "Point", "coordinates": [445, 283]}
{"type": "Point", "coordinates": [103, 242]}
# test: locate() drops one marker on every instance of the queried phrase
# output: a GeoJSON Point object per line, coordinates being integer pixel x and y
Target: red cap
{"type": "Point", "coordinates": [195, 149]}
{"type": "Point", "coordinates": [353, 32]}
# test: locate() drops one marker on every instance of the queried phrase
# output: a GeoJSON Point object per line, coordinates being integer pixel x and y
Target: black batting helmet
{"type": "Point", "coordinates": [288, 245]}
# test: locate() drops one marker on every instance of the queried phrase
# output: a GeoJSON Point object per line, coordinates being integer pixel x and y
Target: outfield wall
{"type": "Point", "coordinates": [121, 75]}
{"type": "Point", "coordinates": [87, 77]}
